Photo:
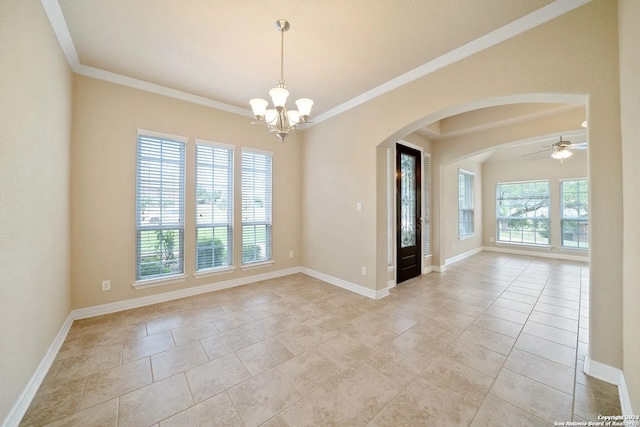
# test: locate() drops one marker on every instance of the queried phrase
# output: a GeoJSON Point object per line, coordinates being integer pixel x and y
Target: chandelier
{"type": "Point", "coordinates": [279, 119]}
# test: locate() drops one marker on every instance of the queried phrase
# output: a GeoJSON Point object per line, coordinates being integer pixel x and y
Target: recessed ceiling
{"type": "Point", "coordinates": [338, 53]}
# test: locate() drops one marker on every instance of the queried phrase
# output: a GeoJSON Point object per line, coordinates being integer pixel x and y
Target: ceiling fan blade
{"type": "Point", "coordinates": [579, 146]}
{"type": "Point", "coordinates": [535, 152]}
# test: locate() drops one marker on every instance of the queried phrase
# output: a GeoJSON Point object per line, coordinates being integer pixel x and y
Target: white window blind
{"type": "Point", "coordinates": [214, 206]}
{"type": "Point", "coordinates": [426, 213]}
{"type": "Point", "coordinates": [160, 206]}
{"type": "Point", "coordinates": [256, 206]}
{"type": "Point", "coordinates": [465, 203]}
{"type": "Point", "coordinates": [575, 213]}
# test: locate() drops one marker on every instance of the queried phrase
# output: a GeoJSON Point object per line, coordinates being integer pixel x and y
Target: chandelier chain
{"type": "Point", "coordinates": [282, 57]}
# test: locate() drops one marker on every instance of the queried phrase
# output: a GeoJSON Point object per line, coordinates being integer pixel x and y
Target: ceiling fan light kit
{"type": "Point", "coordinates": [279, 119]}
{"type": "Point", "coordinates": [561, 153]}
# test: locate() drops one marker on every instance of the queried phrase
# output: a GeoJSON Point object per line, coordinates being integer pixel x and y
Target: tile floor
{"type": "Point", "coordinates": [495, 340]}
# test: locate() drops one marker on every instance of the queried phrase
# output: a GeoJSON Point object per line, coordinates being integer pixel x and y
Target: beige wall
{"type": "Point", "coordinates": [35, 126]}
{"type": "Point", "coordinates": [340, 153]}
{"type": "Point", "coordinates": [103, 176]}
{"type": "Point", "coordinates": [338, 172]}
{"type": "Point", "coordinates": [532, 169]}
{"type": "Point", "coordinates": [452, 245]}
{"type": "Point", "coordinates": [630, 111]}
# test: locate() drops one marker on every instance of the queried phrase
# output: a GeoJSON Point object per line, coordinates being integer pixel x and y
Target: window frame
{"type": "Point", "coordinates": [545, 219]}
{"type": "Point", "coordinates": [466, 212]}
{"type": "Point", "coordinates": [248, 192]}
{"type": "Point", "coordinates": [581, 222]}
{"type": "Point", "coordinates": [203, 167]}
{"type": "Point", "coordinates": [426, 206]}
{"type": "Point", "coordinates": [144, 184]}
{"type": "Point", "coordinates": [391, 171]}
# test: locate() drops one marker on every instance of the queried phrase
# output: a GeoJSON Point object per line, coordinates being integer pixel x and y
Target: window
{"type": "Point", "coordinates": [256, 206]}
{"type": "Point", "coordinates": [214, 205]}
{"type": "Point", "coordinates": [465, 203]}
{"type": "Point", "coordinates": [575, 213]}
{"type": "Point", "coordinates": [160, 205]}
{"type": "Point", "coordinates": [522, 212]}
{"type": "Point", "coordinates": [426, 231]}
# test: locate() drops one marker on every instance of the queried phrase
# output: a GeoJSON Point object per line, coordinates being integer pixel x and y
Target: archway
{"type": "Point", "coordinates": [534, 126]}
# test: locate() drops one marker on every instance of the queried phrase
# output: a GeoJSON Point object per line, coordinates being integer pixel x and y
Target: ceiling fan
{"type": "Point", "coordinates": [561, 150]}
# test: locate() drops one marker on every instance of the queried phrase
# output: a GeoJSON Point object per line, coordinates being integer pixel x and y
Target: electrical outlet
{"type": "Point", "coordinates": [359, 206]}
{"type": "Point", "coordinates": [364, 271]}
{"type": "Point", "coordinates": [106, 285]}
{"type": "Point", "coordinates": [290, 254]}
{"type": "Point", "coordinates": [491, 239]}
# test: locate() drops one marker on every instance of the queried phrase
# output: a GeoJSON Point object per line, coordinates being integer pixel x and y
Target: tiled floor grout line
{"type": "Point", "coordinates": [445, 292]}
{"type": "Point", "coordinates": [235, 408]}
{"type": "Point", "coordinates": [575, 371]}
{"type": "Point", "coordinates": [512, 347]}
{"type": "Point", "coordinates": [528, 319]}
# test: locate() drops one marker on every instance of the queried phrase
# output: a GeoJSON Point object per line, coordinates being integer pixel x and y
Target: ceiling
{"type": "Point", "coordinates": [339, 53]}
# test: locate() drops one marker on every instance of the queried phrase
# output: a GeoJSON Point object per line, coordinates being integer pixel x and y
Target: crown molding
{"type": "Point", "coordinates": [519, 26]}
{"type": "Point", "coordinates": [59, 25]}
{"type": "Point", "coordinates": [108, 76]}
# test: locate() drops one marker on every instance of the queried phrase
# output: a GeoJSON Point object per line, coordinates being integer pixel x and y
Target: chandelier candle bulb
{"type": "Point", "coordinates": [278, 119]}
{"type": "Point", "coordinates": [304, 106]}
{"type": "Point", "coordinates": [279, 96]}
{"type": "Point", "coordinates": [259, 106]}
{"type": "Point", "coordinates": [294, 117]}
{"type": "Point", "coordinates": [271, 116]}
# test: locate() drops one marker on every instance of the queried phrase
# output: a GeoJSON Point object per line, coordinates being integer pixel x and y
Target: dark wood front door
{"type": "Point", "coordinates": [408, 214]}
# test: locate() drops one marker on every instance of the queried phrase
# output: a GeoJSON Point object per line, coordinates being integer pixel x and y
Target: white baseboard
{"type": "Point", "coordinates": [427, 270]}
{"type": "Point", "coordinates": [19, 408]}
{"type": "Point", "coordinates": [391, 284]}
{"type": "Point", "coordinates": [610, 375]}
{"type": "Point", "coordinates": [625, 400]}
{"type": "Point", "coordinates": [440, 268]}
{"type": "Point", "coordinates": [462, 256]}
{"type": "Point", "coordinates": [361, 290]}
{"type": "Point", "coordinates": [98, 310]}
{"type": "Point", "coordinates": [603, 372]}
{"type": "Point", "coordinates": [21, 405]}
{"type": "Point", "coordinates": [555, 255]}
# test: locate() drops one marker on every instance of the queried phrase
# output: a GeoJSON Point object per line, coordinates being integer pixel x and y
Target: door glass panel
{"type": "Point", "coordinates": [407, 200]}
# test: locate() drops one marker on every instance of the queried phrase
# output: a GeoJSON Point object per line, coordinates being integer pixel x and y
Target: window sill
{"type": "Point", "coordinates": [524, 245]}
{"type": "Point", "coordinates": [468, 236]}
{"type": "Point", "coordinates": [161, 281]}
{"type": "Point", "coordinates": [212, 272]}
{"type": "Point", "coordinates": [572, 249]}
{"type": "Point", "coordinates": [257, 265]}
